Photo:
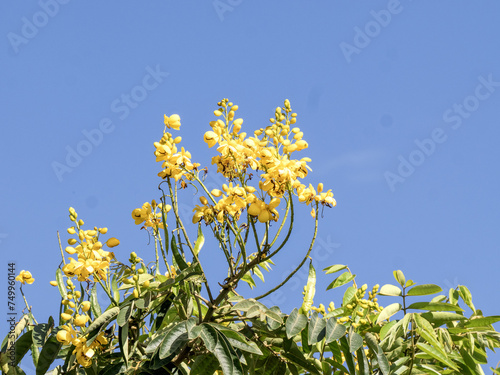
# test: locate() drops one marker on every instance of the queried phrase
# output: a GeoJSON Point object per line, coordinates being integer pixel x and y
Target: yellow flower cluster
{"type": "Point", "coordinates": [268, 151]}
{"type": "Point", "coordinates": [149, 216]}
{"type": "Point", "coordinates": [176, 164]}
{"type": "Point", "coordinates": [92, 259]}
{"type": "Point", "coordinates": [84, 354]}
{"type": "Point", "coordinates": [25, 277]}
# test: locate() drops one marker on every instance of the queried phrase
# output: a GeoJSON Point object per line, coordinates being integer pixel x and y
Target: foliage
{"type": "Point", "coordinates": [164, 318]}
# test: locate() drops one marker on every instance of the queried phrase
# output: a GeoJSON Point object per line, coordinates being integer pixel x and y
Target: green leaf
{"type": "Point", "coordinates": [390, 290]}
{"type": "Point", "coordinates": [22, 346]}
{"type": "Point", "coordinates": [453, 296]}
{"type": "Point", "coordinates": [42, 331]}
{"type": "Point", "coordinates": [310, 290]}
{"type": "Point", "coordinates": [364, 368]}
{"type": "Point", "coordinates": [373, 345]}
{"type": "Point", "coordinates": [179, 259]}
{"type": "Point", "coordinates": [441, 317]}
{"type": "Point", "coordinates": [60, 284]}
{"type": "Point", "coordinates": [123, 341]}
{"type": "Point", "coordinates": [238, 340]}
{"type": "Point", "coordinates": [434, 306]}
{"type": "Point", "coordinates": [466, 296]}
{"type": "Point", "coordinates": [104, 319]}
{"type": "Point", "coordinates": [94, 304]}
{"type": "Point", "coordinates": [249, 280]}
{"type": "Point", "coordinates": [157, 339]}
{"type": "Point", "coordinates": [334, 330]}
{"type": "Point", "coordinates": [400, 277]}
{"type": "Point", "coordinates": [434, 353]}
{"type": "Point", "coordinates": [316, 329]}
{"type": "Point", "coordinates": [341, 280]}
{"type": "Point", "coordinates": [482, 322]}
{"type": "Point", "coordinates": [296, 356]}
{"type": "Point", "coordinates": [114, 287]}
{"type": "Point", "coordinates": [209, 336]}
{"type": "Point", "coordinates": [295, 323]}
{"type": "Point", "coordinates": [165, 305]}
{"type": "Point", "coordinates": [355, 341]}
{"type": "Point", "coordinates": [227, 356]}
{"type": "Point", "coordinates": [424, 290]}
{"type": "Point", "coordinates": [173, 341]}
{"type": "Point", "coordinates": [125, 314]}
{"type": "Point", "coordinates": [204, 364]}
{"type": "Point", "coordinates": [334, 268]}
{"type": "Point", "coordinates": [349, 294]}
{"type": "Point", "coordinates": [49, 353]}
{"type": "Point", "coordinates": [388, 311]}
{"type": "Point", "coordinates": [349, 360]}
{"type": "Point", "coordinates": [199, 241]}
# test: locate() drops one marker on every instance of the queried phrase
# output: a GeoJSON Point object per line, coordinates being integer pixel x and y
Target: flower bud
{"type": "Point", "coordinates": [112, 242]}
{"type": "Point", "coordinates": [53, 283]}
{"type": "Point", "coordinates": [85, 306]}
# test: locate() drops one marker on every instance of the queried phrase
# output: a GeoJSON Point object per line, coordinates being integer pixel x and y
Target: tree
{"type": "Point", "coordinates": [163, 317]}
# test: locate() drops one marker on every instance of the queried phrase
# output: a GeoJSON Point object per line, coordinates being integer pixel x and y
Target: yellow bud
{"type": "Point", "coordinates": [65, 316]}
{"type": "Point", "coordinates": [112, 242]}
{"type": "Point", "coordinates": [135, 277]}
{"type": "Point", "coordinates": [78, 294]}
{"type": "Point", "coordinates": [85, 306]}
{"type": "Point", "coordinates": [53, 283]}
{"type": "Point", "coordinates": [140, 271]}
{"type": "Point", "coordinates": [70, 250]}
{"type": "Point", "coordinates": [71, 230]}
{"type": "Point", "coordinates": [136, 293]}
{"type": "Point", "coordinates": [103, 230]}
{"type": "Point", "coordinates": [320, 187]}
{"type": "Point", "coordinates": [80, 320]}
{"type": "Point", "coordinates": [238, 122]}
{"type": "Point", "coordinates": [203, 200]}
{"type": "Point", "coordinates": [145, 284]}
{"type": "Point", "coordinates": [72, 304]}
{"type": "Point", "coordinates": [216, 193]}
{"type": "Point", "coordinates": [177, 140]}
{"type": "Point", "coordinates": [293, 120]}
{"type": "Point", "coordinates": [71, 241]}
{"type": "Point", "coordinates": [218, 112]}
{"type": "Point", "coordinates": [80, 222]}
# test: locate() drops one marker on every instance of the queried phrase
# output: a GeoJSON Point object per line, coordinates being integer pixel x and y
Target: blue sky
{"type": "Point", "coordinates": [398, 101]}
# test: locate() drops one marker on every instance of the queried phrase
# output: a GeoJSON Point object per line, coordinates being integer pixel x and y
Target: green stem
{"type": "Point", "coordinates": [301, 263]}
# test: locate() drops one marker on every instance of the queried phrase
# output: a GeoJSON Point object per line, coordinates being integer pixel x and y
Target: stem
{"type": "Point", "coordinates": [60, 247]}
{"type": "Point", "coordinates": [176, 212]}
{"type": "Point", "coordinates": [301, 263]}
{"type": "Point", "coordinates": [105, 289]}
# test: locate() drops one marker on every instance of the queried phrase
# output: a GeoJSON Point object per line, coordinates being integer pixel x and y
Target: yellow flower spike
{"type": "Point", "coordinates": [112, 242]}
{"type": "Point", "coordinates": [210, 138]}
{"type": "Point", "coordinates": [85, 306]}
{"type": "Point", "coordinates": [25, 277]}
{"type": "Point", "coordinates": [53, 283]}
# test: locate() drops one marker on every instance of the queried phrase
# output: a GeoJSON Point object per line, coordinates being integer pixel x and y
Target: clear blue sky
{"type": "Point", "coordinates": [399, 102]}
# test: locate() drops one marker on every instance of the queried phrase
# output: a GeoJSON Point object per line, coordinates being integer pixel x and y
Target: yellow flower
{"type": "Point", "coordinates": [211, 138]}
{"type": "Point", "coordinates": [25, 277]}
{"type": "Point", "coordinates": [172, 122]}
